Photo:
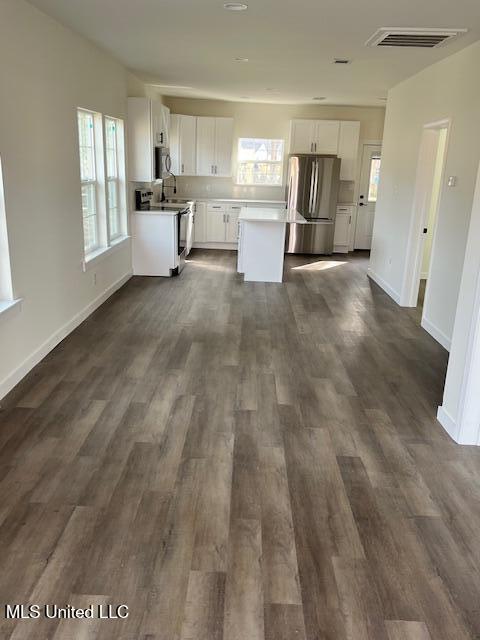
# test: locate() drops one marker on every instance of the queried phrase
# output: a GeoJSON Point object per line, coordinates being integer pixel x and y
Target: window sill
{"type": "Point", "coordinates": [97, 256]}
{"type": "Point", "coordinates": [8, 306]}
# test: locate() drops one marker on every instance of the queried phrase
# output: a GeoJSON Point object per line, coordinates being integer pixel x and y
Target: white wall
{"type": "Point", "coordinates": [268, 121]}
{"type": "Point", "coordinates": [46, 72]}
{"type": "Point", "coordinates": [445, 90]}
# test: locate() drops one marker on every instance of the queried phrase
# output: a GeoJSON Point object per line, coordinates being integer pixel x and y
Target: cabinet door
{"type": "Point", "coordinates": [205, 146]}
{"type": "Point", "coordinates": [165, 126]}
{"type": "Point", "coordinates": [215, 225]}
{"type": "Point", "coordinates": [348, 149]}
{"type": "Point", "coordinates": [223, 147]}
{"type": "Point", "coordinates": [232, 231]}
{"type": "Point", "coordinates": [188, 145]}
{"type": "Point", "coordinates": [140, 139]}
{"type": "Point", "coordinates": [200, 222]}
{"type": "Point", "coordinates": [341, 237]}
{"type": "Point", "coordinates": [326, 136]}
{"type": "Point", "coordinates": [160, 119]}
{"type": "Point", "coordinates": [175, 143]}
{"type": "Point", "coordinates": [302, 136]}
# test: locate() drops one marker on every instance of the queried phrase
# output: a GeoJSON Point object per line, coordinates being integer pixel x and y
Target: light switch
{"type": "Point", "coordinates": [452, 181]}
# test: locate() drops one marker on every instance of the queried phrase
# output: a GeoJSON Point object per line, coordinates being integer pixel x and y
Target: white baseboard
{"type": "Point", "coordinates": [435, 332]}
{"type": "Point", "coordinates": [384, 285]}
{"type": "Point", "coordinates": [8, 383]}
{"type": "Point", "coordinates": [424, 275]}
{"type": "Point", "coordinates": [447, 422]}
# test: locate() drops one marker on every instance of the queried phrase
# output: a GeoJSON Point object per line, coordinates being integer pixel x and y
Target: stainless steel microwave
{"type": "Point", "coordinates": [162, 163]}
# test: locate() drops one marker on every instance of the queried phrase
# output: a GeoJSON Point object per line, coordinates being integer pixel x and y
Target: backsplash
{"type": "Point", "coordinates": [198, 187]}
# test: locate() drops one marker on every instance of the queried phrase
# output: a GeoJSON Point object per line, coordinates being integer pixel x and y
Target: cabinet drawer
{"type": "Point", "coordinates": [218, 207]}
{"type": "Point", "coordinates": [235, 208]}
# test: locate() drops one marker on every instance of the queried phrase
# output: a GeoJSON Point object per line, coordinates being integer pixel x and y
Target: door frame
{"type": "Point", "coordinates": [361, 148]}
{"type": "Point", "coordinates": [415, 244]}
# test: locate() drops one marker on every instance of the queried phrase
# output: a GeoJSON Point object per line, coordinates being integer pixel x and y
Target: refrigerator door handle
{"type": "Point", "coordinates": [315, 188]}
{"type": "Point", "coordinates": [312, 187]}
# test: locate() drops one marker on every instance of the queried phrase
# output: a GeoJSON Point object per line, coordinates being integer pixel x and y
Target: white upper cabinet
{"type": "Point", "coordinates": [214, 146]}
{"type": "Point", "coordinates": [148, 122]}
{"type": "Point", "coordinates": [205, 146]}
{"type": "Point", "coordinates": [223, 147]}
{"type": "Point", "coordinates": [314, 136]}
{"type": "Point", "coordinates": [326, 137]}
{"type": "Point", "coordinates": [348, 149]}
{"type": "Point", "coordinates": [330, 137]}
{"type": "Point", "coordinates": [160, 119]}
{"type": "Point", "coordinates": [302, 136]}
{"type": "Point", "coordinates": [183, 142]}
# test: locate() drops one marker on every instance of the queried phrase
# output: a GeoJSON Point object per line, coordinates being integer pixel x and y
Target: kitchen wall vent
{"type": "Point", "coordinates": [426, 38]}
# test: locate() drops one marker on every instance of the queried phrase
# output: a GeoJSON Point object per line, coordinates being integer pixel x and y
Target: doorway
{"type": "Point", "coordinates": [427, 198]}
{"type": "Point", "coordinates": [367, 199]}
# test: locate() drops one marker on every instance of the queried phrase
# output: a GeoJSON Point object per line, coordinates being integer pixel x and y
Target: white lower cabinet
{"type": "Point", "coordinates": [216, 223]}
{"type": "Point", "coordinates": [200, 222]}
{"type": "Point", "coordinates": [231, 232]}
{"type": "Point", "coordinates": [343, 222]}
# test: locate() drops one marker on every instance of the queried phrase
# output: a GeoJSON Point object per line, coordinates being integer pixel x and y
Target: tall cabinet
{"type": "Point", "coordinates": [148, 127]}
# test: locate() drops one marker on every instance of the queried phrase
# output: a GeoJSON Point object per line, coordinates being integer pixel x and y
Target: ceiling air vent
{"type": "Point", "coordinates": [425, 38]}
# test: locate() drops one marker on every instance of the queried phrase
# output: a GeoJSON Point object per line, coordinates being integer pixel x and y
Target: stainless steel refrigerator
{"type": "Point", "coordinates": [313, 183]}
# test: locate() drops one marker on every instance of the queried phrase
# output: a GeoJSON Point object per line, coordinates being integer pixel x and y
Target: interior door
{"type": "Point", "coordinates": [205, 146]}
{"type": "Point", "coordinates": [302, 136]}
{"type": "Point", "coordinates": [369, 179]}
{"type": "Point", "coordinates": [223, 147]}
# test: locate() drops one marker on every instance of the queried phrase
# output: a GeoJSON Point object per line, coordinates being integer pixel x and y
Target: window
{"type": "Point", "coordinates": [88, 176]}
{"type": "Point", "coordinates": [260, 162]}
{"type": "Point", "coordinates": [102, 174]}
{"type": "Point", "coordinates": [374, 178]}
{"type": "Point", "coordinates": [115, 175]}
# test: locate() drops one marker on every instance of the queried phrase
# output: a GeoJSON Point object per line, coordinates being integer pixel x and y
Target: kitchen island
{"type": "Point", "coordinates": [261, 242]}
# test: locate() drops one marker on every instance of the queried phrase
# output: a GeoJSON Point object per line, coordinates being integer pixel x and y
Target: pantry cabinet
{"type": "Point", "coordinates": [348, 143]}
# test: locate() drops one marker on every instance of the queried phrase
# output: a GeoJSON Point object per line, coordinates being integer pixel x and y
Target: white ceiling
{"type": "Point", "coordinates": [290, 44]}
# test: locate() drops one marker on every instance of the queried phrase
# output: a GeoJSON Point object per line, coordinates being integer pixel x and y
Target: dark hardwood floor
{"type": "Point", "coordinates": [241, 462]}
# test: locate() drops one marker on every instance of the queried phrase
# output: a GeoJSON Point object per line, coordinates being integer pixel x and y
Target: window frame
{"type": "Point", "coordinates": [105, 240]}
{"type": "Point", "coordinates": [119, 179]}
{"type": "Point", "coordinates": [96, 181]}
{"type": "Point", "coordinates": [280, 163]}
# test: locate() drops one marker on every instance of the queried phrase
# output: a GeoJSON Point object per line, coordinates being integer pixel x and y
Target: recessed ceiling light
{"type": "Point", "coordinates": [235, 6]}
{"type": "Point", "coordinates": [241, 59]}
{"type": "Point", "coordinates": [319, 98]}
{"type": "Point", "coordinates": [341, 61]}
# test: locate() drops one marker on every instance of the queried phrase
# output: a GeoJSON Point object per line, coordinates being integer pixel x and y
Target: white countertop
{"type": "Point", "coordinates": [274, 214]}
{"type": "Point", "coordinates": [213, 199]}
{"type": "Point", "coordinates": [159, 212]}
